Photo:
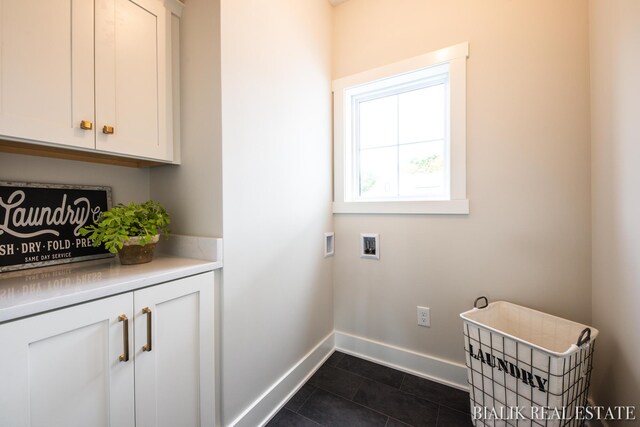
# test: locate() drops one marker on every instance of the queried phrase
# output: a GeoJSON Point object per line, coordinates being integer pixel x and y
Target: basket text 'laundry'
{"type": "Point", "coordinates": [527, 377]}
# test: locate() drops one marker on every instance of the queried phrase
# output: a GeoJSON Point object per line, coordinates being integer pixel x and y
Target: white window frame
{"type": "Point", "coordinates": [457, 203]}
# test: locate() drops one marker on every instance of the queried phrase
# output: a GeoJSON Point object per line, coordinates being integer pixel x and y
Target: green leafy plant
{"type": "Point", "coordinates": [121, 222]}
{"type": "Point", "coordinates": [430, 164]}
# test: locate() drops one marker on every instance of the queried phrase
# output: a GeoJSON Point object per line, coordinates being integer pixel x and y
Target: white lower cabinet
{"type": "Point", "coordinates": [144, 358]}
{"type": "Point", "coordinates": [175, 378]}
{"type": "Point", "coordinates": [62, 369]}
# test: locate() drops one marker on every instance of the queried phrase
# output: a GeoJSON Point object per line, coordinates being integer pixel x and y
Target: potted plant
{"type": "Point", "coordinates": [131, 231]}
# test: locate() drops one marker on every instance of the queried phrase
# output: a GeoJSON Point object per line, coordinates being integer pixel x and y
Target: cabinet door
{"type": "Point", "coordinates": [63, 368]}
{"type": "Point", "coordinates": [174, 377]}
{"type": "Point", "coordinates": [46, 71]}
{"type": "Point", "coordinates": [131, 77]}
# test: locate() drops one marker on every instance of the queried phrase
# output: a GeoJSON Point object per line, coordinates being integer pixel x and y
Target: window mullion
{"type": "Point", "coordinates": [398, 146]}
{"type": "Point", "coordinates": [356, 177]}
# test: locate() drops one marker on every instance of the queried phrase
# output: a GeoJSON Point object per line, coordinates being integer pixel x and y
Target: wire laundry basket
{"type": "Point", "coordinates": [525, 367]}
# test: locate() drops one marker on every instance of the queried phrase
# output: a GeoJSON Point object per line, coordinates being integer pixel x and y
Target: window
{"type": "Point", "coordinates": [400, 137]}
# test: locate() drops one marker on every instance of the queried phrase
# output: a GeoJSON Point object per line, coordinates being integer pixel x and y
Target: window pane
{"type": "Point", "coordinates": [422, 169]}
{"type": "Point", "coordinates": [422, 114]}
{"type": "Point", "coordinates": [379, 122]}
{"type": "Point", "coordinates": [379, 173]}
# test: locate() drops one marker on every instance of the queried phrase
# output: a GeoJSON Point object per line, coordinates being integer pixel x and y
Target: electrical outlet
{"type": "Point", "coordinates": [424, 316]}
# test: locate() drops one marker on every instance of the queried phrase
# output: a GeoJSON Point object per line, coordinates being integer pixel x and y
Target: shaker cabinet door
{"type": "Point", "coordinates": [131, 78]}
{"type": "Point", "coordinates": [174, 353]}
{"type": "Point", "coordinates": [46, 71]}
{"type": "Point", "coordinates": [63, 368]}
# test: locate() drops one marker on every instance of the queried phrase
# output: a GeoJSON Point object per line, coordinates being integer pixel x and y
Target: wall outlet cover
{"type": "Point", "coordinates": [329, 244]}
{"type": "Point", "coordinates": [424, 316]}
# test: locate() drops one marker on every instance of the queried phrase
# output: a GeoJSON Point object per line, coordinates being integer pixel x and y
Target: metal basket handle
{"type": "Point", "coordinates": [486, 302]}
{"type": "Point", "coordinates": [585, 337]}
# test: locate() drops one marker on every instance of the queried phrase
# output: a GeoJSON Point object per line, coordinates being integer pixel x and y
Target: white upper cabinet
{"type": "Point", "coordinates": [46, 70]}
{"type": "Point", "coordinates": [131, 68]}
{"type": "Point", "coordinates": [97, 79]}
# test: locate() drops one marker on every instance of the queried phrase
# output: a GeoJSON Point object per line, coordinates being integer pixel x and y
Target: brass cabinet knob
{"type": "Point", "coordinates": [86, 125]}
{"type": "Point", "coordinates": [108, 130]}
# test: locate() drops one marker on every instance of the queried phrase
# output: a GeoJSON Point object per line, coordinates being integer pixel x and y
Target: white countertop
{"type": "Point", "coordinates": [28, 292]}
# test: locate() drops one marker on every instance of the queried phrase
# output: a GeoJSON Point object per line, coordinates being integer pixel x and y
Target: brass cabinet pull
{"type": "Point", "coordinates": [86, 125]}
{"type": "Point", "coordinates": [147, 346]}
{"type": "Point", "coordinates": [125, 356]}
{"type": "Point", "coordinates": [107, 130]}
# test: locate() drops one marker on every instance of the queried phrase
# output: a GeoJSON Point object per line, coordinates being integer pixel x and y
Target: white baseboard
{"type": "Point", "coordinates": [271, 401]}
{"type": "Point", "coordinates": [419, 364]}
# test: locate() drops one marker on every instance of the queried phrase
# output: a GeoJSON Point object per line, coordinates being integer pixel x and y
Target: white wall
{"type": "Point", "coordinates": [128, 184]}
{"type": "Point", "coordinates": [615, 133]}
{"type": "Point", "coordinates": [276, 133]}
{"type": "Point", "coordinates": [527, 238]}
{"type": "Point", "coordinates": [192, 192]}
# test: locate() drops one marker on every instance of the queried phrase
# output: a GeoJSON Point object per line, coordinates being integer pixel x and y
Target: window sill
{"type": "Point", "coordinates": [431, 207]}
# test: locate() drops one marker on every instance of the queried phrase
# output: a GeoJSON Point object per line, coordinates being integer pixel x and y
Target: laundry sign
{"type": "Point", "coordinates": [526, 376]}
{"type": "Point", "coordinates": [40, 223]}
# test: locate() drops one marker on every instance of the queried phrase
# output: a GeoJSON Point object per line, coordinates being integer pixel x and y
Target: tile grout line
{"type": "Point", "coordinates": [454, 409]}
{"type": "Point", "coordinates": [296, 414]}
{"type": "Point", "coordinates": [356, 403]}
{"type": "Point", "coordinates": [431, 401]}
{"type": "Point", "coordinates": [307, 399]}
{"type": "Point", "coordinates": [369, 379]}
{"type": "Point", "coordinates": [360, 377]}
{"type": "Point", "coordinates": [372, 379]}
{"type": "Point", "coordinates": [397, 389]}
{"type": "Point", "coordinates": [400, 390]}
{"type": "Point", "coordinates": [307, 418]}
{"type": "Point", "coordinates": [360, 384]}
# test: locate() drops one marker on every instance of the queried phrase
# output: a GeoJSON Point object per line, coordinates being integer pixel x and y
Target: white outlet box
{"type": "Point", "coordinates": [424, 316]}
{"type": "Point", "coordinates": [370, 245]}
{"type": "Point", "coordinates": [329, 245]}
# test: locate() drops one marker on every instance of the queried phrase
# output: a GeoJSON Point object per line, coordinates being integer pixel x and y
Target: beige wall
{"type": "Point", "coordinates": [615, 133]}
{"type": "Point", "coordinates": [192, 192]}
{"type": "Point", "coordinates": [527, 238]}
{"type": "Point", "coordinates": [276, 127]}
{"type": "Point", "coordinates": [127, 184]}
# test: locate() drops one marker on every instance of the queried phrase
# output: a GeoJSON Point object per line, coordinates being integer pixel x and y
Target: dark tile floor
{"type": "Point", "coordinates": [352, 392]}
